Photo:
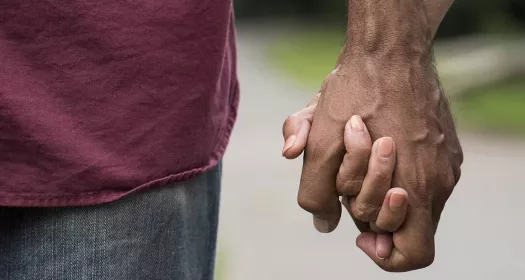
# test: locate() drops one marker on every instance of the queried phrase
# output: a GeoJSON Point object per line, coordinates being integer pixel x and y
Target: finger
{"type": "Point", "coordinates": [393, 212]}
{"type": "Point", "coordinates": [296, 129]}
{"type": "Point", "coordinates": [366, 206]}
{"type": "Point", "coordinates": [378, 244]}
{"type": "Point", "coordinates": [314, 100]}
{"type": "Point", "coordinates": [384, 245]}
{"type": "Point", "coordinates": [413, 245]}
{"type": "Point", "coordinates": [442, 194]}
{"type": "Point", "coordinates": [353, 169]}
{"type": "Point", "coordinates": [375, 245]}
{"type": "Point", "coordinates": [358, 147]}
{"type": "Point", "coordinates": [361, 226]}
{"type": "Point", "coordinates": [323, 156]}
{"type": "Point", "coordinates": [317, 191]}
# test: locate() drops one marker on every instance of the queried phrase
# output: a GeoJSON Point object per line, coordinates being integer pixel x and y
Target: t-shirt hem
{"type": "Point", "coordinates": [99, 197]}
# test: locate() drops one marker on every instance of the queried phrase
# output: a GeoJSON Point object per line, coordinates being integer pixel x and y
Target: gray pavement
{"type": "Point", "coordinates": [264, 235]}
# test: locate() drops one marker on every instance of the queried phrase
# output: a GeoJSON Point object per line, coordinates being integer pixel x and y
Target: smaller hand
{"type": "Point", "coordinates": [377, 161]}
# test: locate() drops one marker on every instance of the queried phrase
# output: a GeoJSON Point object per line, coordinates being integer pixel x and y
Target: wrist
{"type": "Point", "coordinates": [395, 79]}
{"type": "Point", "coordinates": [387, 30]}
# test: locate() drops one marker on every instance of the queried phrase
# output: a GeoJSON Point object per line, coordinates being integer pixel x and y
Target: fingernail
{"type": "Point", "coordinates": [289, 143]}
{"type": "Point", "coordinates": [378, 255]}
{"type": "Point", "coordinates": [385, 147]}
{"type": "Point", "coordinates": [381, 251]}
{"type": "Point", "coordinates": [396, 200]}
{"type": "Point", "coordinates": [356, 123]}
{"type": "Point", "coordinates": [322, 226]}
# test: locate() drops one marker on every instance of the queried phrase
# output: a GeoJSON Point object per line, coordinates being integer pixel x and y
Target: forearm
{"type": "Point", "coordinates": [389, 46]}
{"type": "Point", "coordinates": [436, 11]}
{"type": "Point", "coordinates": [361, 11]}
{"type": "Point", "coordinates": [385, 30]}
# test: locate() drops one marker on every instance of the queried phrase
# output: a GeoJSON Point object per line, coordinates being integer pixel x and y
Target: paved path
{"type": "Point", "coordinates": [265, 235]}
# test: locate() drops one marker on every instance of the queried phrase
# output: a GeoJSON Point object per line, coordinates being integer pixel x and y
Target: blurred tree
{"type": "Point", "coordinates": [517, 10]}
{"type": "Point", "coordinates": [465, 17]}
{"type": "Point", "coordinates": [295, 8]}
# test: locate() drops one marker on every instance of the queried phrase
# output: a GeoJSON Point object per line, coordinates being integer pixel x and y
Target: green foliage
{"type": "Point", "coordinates": [465, 16]}
{"type": "Point", "coordinates": [497, 108]}
{"type": "Point", "coordinates": [309, 55]}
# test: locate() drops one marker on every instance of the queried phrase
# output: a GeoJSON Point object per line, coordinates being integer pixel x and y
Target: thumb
{"type": "Point", "coordinates": [295, 132]}
{"type": "Point", "coordinates": [296, 129]}
{"type": "Point", "coordinates": [413, 244]}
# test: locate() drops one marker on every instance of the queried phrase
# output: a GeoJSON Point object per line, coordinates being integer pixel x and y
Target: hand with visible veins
{"type": "Point", "coordinates": [380, 157]}
{"type": "Point", "coordinates": [385, 74]}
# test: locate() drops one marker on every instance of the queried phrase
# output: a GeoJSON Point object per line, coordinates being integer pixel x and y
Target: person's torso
{"type": "Point", "coordinates": [99, 97]}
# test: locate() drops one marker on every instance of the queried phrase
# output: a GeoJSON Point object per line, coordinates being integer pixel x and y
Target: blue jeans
{"type": "Point", "coordinates": [165, 233]}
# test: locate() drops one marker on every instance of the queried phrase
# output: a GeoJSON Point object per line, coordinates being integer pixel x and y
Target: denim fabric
{"type": "Point", "coordinates": [165, 233]}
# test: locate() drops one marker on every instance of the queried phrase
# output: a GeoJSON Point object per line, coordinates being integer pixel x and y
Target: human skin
{"type": "Point", "coordinates": [385, 74]}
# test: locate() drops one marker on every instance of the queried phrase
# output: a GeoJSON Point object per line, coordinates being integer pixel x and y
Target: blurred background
{"type": "Point", "coordinates": [286, 48]}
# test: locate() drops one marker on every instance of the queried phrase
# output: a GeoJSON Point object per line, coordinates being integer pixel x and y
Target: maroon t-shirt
{"type": "Point", "coordinates": [102, 98]}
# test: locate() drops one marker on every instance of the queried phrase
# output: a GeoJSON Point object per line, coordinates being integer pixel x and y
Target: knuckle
{"type": "Point", "coordinates": [450, 183]}
{"type": "Point", "coordinates": [389, 226]}
{"type": "Point", "coordinates": [350, 187]}
{"type": "Point", "coordinates": [457, 174]}
{"type": "Point", "coordinates": [364, 212]}
{"type": "Point", "coordinates": [460, 156]}
{"type": "Point", "coordinates": [290, 120]}
{"type": "Point", "coordinates": [320, 149]}
{"type": "Point", "coordinates": [347, 186]}
{"type": "Point", "coordinates": [360, 150]}
{"type": "Point", "coordinates": [381, 176]}
{"type": "Point", "coordinates": [420, 191]}
{"type": "Point", "coordinates": [423, 258]}
{"type": "Point", "coordinates": [309, 205]}
{"type": "Point", "coordinates": [409, 264]}
{"type": "Point", "coordinates": [423, 261]}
